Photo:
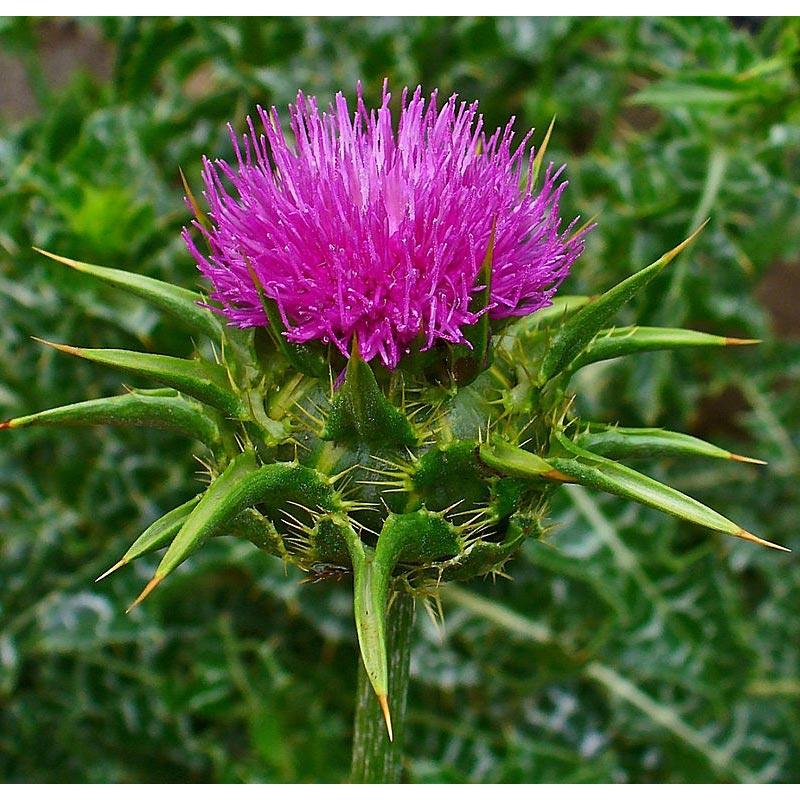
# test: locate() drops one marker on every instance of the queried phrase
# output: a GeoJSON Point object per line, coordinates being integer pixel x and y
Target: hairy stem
{"type": "Point", "coordinates": [375, 758]}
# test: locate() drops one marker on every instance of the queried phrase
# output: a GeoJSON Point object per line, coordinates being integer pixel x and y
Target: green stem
{"type": "Point", "coordinates": [375, 758]}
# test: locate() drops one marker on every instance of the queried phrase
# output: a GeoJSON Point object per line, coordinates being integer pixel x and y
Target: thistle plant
{"type": "Point", "coordinates": [381, 382]}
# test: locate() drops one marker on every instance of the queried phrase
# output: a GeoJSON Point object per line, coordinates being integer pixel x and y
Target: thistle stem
{"type": "Point", "coordinates": [375, 758]}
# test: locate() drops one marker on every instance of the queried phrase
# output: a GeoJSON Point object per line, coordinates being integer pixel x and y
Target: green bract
{"type": "Point", "coordinates": [434, 472]}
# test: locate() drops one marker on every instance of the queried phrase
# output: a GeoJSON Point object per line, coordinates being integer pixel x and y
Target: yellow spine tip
{"type": "Point", "coordinates": [64, 348]}
{"type": "Point", "coordinates": [667, 257]}
{"type": "Point", "coordinates": [751, 537]}
{"type": "Point", "coordinates": [61, 259]}
{"type": "Point", "coordinates": [747, 459]}
{"type": "Point", "coordinates": [387, 717]}
{"type": "Point", "coordinates": [121, 563]}
{"type": "Point", "coordinates": [730, 340]}
{"type": "Point", "coordinates": [146, 591]}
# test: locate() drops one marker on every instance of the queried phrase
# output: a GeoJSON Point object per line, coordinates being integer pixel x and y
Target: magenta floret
{"type": "Point", "coordinates": [361, 229]}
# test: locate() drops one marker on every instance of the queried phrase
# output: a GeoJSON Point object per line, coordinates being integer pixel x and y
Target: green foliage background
{"type": "Point", "coordinates": [629, 647]}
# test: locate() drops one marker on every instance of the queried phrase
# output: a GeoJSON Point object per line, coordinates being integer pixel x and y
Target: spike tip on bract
{"type": "Point", "coordinates": [121, 563]}
{"type": "Point", "coordinates": [383, 701]}
{"type": "Point", "coordinates": [151, 584]}
{"type": "Point", "coordinates": [747, 459]}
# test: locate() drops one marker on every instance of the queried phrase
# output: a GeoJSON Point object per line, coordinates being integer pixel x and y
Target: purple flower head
{"type": "Point", "coordinates": [358, 229]}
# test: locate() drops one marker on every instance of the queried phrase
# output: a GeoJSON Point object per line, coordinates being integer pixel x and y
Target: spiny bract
{"type": "Point", "coordinates": [408, 449]}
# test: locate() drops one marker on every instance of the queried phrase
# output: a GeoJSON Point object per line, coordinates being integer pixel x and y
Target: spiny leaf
{"type": "Point", "coordinates": [469, 360]}
{"type": "Point", "coordinates": [165, 410]}
{"type": "Point", "coordinates": [627, 341]}
{"type": "Point", "coordinates": [418, 536]}
{"type": "Point", "coordinates": [242, 484]}
{"type": "Point", "coordinates": [511, 460]}
{"type": "Point", "coordinates": [248, 525]}
{"type": "Point", "coordinates": [369, 611]}
{"type": "Point", "coordinates": [158, 535]}
{"type": "Point", "coordinates": [360, 411]}
{"type": "Point", "coordinates": [562, 306]}
{"type": "Point", "coordinates": [612, 441]}
{"type": "Point", "coordinates": [600, 473]}
{"type": "Point", "coordinates": [219, 504]}
{"type": "Point", "coordinates": [573, 336]}
{"type": "Point", "coordinates": [208, 383]}
{"type": "Point", "coordinates": [182, 304]}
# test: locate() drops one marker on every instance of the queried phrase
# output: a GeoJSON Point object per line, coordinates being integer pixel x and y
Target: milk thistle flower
{"type": "Point", "coordinates": [419, 265]}
{"type": "Point", "coordinates": [361, 230]}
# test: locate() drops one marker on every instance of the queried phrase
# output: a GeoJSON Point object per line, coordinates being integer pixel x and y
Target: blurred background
{"type": "Point", "coordinates": [629, 647]}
